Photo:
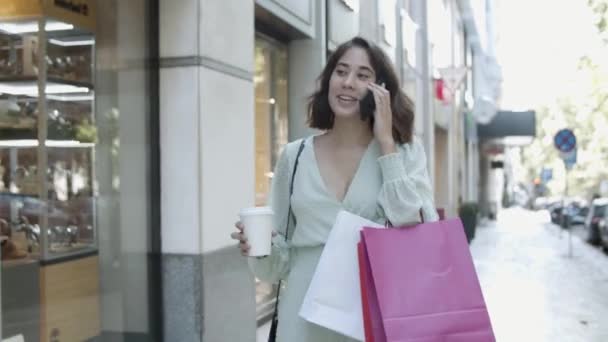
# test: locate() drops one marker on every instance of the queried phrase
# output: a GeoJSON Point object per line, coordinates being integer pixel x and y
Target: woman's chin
{"type": "Point", "coordinates": [347, 115]}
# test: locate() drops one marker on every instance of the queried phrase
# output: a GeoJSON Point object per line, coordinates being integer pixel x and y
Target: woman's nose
{"type": "Point", "coordinates": [349, 80]}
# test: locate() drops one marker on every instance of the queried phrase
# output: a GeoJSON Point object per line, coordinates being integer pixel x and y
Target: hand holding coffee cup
{"type": "Point", "coordinates": [255, 231]}
{"type": "Point", "coordinates": [240, 237]}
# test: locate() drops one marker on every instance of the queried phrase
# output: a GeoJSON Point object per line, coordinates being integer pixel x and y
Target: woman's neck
{"type": "Point", "coordinates": [350, 132]}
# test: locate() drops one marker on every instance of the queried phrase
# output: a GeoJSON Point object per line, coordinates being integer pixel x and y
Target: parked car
{"type": "Point", "coordinates": [556, 213]}
{"type": "Point", "coordinates": [575, 213]}
{"type": "Point", "coordinates": [579, 216]}
{"type": "Point", "coordinates": [602, 227]}
{"type": "Point", "coordinates": [597, 212]}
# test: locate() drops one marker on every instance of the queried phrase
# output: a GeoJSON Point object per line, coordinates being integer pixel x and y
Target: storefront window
{"type": "Point", "coordinates": [64, 149]}
{"type": "Point", "coordinates": [270, 111]}
{"type": "Point", "coordinates": [74, 169]}
{"type": "Point", "coordinates": [47, 148]}
{"type": "Point", "coordinates": [270, 79]}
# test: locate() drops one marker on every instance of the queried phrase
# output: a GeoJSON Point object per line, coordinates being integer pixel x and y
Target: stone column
{"type": "Point", "coordinates": [207, 167]}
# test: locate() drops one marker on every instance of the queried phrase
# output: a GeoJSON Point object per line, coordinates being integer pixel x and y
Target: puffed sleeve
{"type": "Point", "coordinates": [276, 266]}
{"type": "Point", "coordinates": [406, 186]}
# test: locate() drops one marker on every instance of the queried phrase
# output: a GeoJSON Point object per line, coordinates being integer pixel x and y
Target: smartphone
{"type": "Point", "coordinates": [367, 105]}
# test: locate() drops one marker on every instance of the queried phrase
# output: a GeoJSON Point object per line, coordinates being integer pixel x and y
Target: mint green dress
{"type": "Point", "coordinates": [393, 187]}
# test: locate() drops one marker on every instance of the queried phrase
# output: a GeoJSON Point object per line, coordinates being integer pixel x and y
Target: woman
{"type": "Point", "coordinates": [372, 167]}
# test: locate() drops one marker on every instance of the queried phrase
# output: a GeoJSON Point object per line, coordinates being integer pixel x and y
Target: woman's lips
{"type": "Point", "coordinates": [346, 98]}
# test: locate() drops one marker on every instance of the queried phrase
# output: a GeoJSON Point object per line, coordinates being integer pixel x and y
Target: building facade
{"type": "Point", "coordinates": [192, 102]}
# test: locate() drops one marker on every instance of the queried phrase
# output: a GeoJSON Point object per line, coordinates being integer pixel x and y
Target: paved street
{"type": "Point", "coordinates": [533, 289]}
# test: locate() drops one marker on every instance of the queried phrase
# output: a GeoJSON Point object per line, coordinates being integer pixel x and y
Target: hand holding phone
{"type": "Point", "coordinates": [367, 105]}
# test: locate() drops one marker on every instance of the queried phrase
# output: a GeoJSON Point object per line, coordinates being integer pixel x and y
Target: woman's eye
{"type": "Point", "coordinates": [364, 76]}
{"type": "Point", "coordinates": [340, 72]}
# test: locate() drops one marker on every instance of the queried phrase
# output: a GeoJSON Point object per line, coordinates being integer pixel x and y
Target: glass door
{"type": "Point", "coordinates": [271, 115]}
{"type": "Point", "coordinates": [75, 171]}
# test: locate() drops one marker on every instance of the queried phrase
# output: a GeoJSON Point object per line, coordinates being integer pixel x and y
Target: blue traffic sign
{"type": "Point", "coordinates": [564, 140]}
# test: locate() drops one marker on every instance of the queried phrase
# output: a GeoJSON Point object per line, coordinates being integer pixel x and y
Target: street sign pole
{"type": "Point", "coordinates": [565, 142]}
{"type": "Point", "coordinates": [562, 222]}
{"type": "Point", "coordinates": [568, 220]}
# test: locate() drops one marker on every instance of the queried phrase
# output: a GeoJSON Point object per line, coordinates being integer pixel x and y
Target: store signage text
{"type": "Point", "coordinates": [73, 6]}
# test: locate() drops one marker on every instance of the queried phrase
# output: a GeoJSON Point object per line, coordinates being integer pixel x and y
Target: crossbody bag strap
{"type": "Point", "coordinates": [293, 176]}
{"type": "Point", "coordinates": [275, 315]}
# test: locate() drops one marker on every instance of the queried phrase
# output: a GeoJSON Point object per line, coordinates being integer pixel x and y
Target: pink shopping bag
{"type": "Point", "coordinates": [418, 284]}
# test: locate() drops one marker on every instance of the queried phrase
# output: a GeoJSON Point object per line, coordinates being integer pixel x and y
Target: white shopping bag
{"type": "Point", "coordinates": [333, 299]}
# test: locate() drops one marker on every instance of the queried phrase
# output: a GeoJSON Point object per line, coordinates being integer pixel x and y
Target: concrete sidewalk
{"type": "Point", "coordinates": [534, 291]}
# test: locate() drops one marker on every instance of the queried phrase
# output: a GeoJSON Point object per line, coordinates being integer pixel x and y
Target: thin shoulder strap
{"type": "Point", "coordinates": [293, 176]}
{"type": "Point", "coordinates": [275, 315]}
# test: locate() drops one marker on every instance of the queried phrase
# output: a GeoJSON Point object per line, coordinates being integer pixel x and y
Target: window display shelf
{"type": "Point", "coordinates": [68, 56]}
{"type": "Point", "coordinates": [69, 118]}
{"type": "Point", "coordinates": [28, 86]}
{"type": "Point", "coordinates": [18, 125]}
{"type": "Point", "coordinates": [70, 204]}
{"type": "Point", "coordinates": [48, 143]}
{"type": "Point", "coordinates": [67, 195]}
{"type": "Point", "coordinates": [48, 205]}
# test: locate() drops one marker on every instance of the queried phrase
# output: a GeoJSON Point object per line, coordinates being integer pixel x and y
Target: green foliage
{"type": "Point", "coordinates": [86, 132]}
{"type": "Point", "coordinates": [586, 113]}
{"type": "Point", "coordinates": [468, 215]}
{"type": "Point", "coordinates": [600, 10]}
{"type": "Point", "coordinates": [468, 209]}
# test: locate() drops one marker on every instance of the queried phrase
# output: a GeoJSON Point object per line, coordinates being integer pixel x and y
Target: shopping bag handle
{"type": "Point", "coordinates": [388, 224]}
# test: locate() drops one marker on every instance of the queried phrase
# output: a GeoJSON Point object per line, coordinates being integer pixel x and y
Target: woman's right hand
{"type": "Point", "coordinates": [240, 237]}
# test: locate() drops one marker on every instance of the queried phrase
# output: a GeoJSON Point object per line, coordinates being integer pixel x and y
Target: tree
{"type": "Point", "coordinates": [600, 10]}
{"type": "Point", "coordinates": [586, 113]}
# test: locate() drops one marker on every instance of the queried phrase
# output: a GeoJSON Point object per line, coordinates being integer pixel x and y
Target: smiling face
{"type": "Point", "coordinates": [348, 82]}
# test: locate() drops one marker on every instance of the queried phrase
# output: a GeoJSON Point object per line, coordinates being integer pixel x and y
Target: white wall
{"type": "Point", "coordinates": [307, 58]}
{"type": "Point", "coordinates": [227, 154]}
{"type": "Point", "coordinates": [180, 145]}
{"type": "Point", "coordinates": [207, 125]}
{"type": "Point", "coordinates": [343, 21]}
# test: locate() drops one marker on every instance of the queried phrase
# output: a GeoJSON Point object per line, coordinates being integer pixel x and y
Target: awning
{"type": "Point", "coordinates": [511, 128]}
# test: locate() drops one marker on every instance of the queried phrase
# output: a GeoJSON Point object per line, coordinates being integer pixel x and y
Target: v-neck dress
{"type": "Point", "coordinates": [392, 187]}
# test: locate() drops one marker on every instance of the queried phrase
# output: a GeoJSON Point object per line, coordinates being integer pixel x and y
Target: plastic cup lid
{"type": "Point", "coordinates": [256, 211]}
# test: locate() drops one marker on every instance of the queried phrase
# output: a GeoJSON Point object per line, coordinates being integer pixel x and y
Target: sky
{"type": "Point", "coordinates": [539, 43]}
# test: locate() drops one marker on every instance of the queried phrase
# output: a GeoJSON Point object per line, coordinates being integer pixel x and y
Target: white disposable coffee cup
{"type": "Point", "coordinates": [258, 224]}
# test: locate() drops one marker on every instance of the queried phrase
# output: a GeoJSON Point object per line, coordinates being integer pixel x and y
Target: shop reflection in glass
{"type": "Point", "coordinates": [71, 137]}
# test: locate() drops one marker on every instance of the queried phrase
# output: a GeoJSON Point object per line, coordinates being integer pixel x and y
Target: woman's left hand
{"type": "Point", "coordinates": [383, 118]}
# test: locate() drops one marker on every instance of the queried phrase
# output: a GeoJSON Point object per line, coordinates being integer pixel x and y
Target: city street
{"type": "Point", "coordinates": [133, 134]}
{"type": "Point", "coordinates": [534, 290]}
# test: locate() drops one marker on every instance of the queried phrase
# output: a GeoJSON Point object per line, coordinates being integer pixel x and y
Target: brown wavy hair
{"type": "Point", "coordinates": [320, 114]}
